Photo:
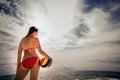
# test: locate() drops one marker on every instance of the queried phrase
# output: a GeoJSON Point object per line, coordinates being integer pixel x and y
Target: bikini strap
{"type": "Point", "coordinates": [25, 50]}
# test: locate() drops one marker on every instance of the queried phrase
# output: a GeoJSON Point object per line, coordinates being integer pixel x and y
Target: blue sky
{"type": "Point", "coordinates": [78, 34]}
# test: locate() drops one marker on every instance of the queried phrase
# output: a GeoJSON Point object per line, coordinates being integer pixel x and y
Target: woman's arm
{"type": "Point", "coordinates": [41, 51]}
{"type": "Point", "coordinates": [19, 55]}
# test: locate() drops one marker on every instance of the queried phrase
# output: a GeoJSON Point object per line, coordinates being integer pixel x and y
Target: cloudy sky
{"type": "Point", "coordinates": [78, 34]}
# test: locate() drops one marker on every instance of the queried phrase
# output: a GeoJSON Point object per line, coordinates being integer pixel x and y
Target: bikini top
{"type": "Point", "coordinates": [26, 50]}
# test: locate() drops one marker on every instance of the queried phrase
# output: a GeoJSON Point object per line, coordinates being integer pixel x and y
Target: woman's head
{"type": "Point", "coordinates": [33, 31]}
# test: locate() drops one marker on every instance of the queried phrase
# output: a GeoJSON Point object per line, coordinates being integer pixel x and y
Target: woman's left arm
{"type": "Point", "coordinates": [19, 55]}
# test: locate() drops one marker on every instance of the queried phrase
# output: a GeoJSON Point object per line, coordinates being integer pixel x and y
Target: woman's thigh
{"type": "Point", "coordinates": [21, 73]}
{"type": "Point", "coordinates": [34, 71]}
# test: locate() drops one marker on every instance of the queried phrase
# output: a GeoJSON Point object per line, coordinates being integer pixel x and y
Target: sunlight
{"type": "Point", "coordinates": [43, 24]}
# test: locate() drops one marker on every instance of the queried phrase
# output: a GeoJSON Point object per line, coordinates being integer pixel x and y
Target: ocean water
{"type": "Point", "coordinates": [77, 75]}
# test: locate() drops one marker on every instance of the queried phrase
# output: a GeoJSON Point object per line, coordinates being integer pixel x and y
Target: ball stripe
{"type": "Point", "coordinates": [45, 62]}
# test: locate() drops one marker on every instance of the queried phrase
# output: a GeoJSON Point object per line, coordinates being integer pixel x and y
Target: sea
{"type": "Point", "coordinates": [75, 75]}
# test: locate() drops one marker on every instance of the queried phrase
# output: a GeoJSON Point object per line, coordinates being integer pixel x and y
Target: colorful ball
{"type": "Point", "coordinates": [44, 62]}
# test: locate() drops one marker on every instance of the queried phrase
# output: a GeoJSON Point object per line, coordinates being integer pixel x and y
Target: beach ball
{"type": "Point", "coordinates": [45, 62]}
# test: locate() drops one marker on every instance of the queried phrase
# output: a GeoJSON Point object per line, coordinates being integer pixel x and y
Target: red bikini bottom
{"type": "Point", "coordinates": [28, 63]}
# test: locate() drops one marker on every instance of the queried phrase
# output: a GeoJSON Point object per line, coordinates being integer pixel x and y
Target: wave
{"type": "Point", "coordinates": [7, 77]}
{"type": "Point", "coordinates": [77, 75]}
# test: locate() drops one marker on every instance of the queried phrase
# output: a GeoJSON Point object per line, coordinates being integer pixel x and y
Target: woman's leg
{"type": "Point", "coordinates": [21, 73]}
{"type": "Point", "coordinates": [34, 71]}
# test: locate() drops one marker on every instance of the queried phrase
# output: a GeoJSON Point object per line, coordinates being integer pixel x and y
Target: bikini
{"type": "Point", "coordinates": [28, 63]}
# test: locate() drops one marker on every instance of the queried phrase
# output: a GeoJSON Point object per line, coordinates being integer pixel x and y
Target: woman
{"type": "Point", "coordinates": [30, 61]}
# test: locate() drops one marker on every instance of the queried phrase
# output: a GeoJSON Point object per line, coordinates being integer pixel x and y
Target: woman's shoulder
{"type": "Point", "coordinates": [35, 38]}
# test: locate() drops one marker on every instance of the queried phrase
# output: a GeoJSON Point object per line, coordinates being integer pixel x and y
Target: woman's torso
{"type": "Point", "coordinates": [29, 46]}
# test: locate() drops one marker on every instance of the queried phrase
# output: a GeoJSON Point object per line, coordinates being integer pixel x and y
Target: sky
{"type": "Point", "coordinates": [78, 34]}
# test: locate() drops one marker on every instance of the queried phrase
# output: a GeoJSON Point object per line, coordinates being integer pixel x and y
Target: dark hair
{"type": "Point", "coordinates": [31, 30]}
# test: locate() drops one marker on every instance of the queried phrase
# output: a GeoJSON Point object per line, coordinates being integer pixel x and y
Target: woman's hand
{"type": "Point", "coordinates": [50, 61]}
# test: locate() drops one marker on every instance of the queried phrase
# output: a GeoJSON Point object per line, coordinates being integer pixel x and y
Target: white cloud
{"type": "Point", "coordinates": [101, 29]}
{"type": "Point", "coordinates": [60, 14]}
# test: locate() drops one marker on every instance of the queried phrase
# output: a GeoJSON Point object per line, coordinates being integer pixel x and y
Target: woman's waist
{"type": "Point", "coordinates": [29, 51]}
{"type": "Point", "coordinates": [30, 55]}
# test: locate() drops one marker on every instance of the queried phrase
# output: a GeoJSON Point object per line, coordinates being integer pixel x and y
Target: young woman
{"type": "Point", "coordinates": [30, 61]}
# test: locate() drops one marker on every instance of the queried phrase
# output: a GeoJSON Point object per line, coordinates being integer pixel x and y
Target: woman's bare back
{"type": "Point", "coordinates": [29, 44]}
